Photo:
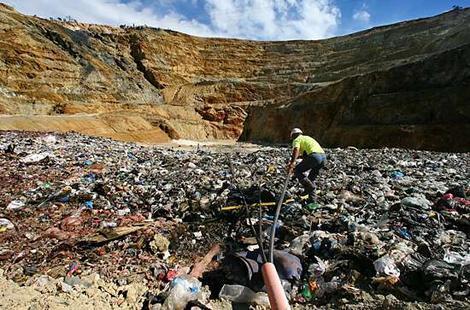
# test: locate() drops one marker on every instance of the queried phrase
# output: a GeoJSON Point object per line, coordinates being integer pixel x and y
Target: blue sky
{"type": "Point", "coordinates": [247, 19]}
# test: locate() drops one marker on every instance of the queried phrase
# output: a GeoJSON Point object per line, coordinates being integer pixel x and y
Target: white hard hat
{"type": "Point", "coordinates": [295, 131]}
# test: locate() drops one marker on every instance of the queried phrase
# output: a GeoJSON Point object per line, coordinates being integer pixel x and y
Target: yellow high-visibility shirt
{"type": "Point", "coordinates": [307, 144]}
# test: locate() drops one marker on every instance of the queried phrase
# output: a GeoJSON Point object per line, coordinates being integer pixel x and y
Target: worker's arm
{"type": "Point", "coordinates": [295, 155]}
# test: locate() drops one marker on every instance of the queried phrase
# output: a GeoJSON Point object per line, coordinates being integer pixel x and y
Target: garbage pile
{"type": "Point", "coordinates": [389, 227]}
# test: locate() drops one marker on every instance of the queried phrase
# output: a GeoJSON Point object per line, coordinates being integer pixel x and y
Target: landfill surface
{"type": "Point", "coordinates": [90, 223]}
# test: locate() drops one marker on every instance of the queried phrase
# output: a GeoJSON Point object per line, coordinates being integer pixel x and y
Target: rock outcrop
{"type": "Point", "coordinates": [403, 85]}
{"type": "Point", "coordinates": [424, 105]}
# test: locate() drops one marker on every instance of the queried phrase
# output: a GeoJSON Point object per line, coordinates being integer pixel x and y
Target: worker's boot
{"type": "Point", "coordinates": [309, 189]}
{"type": "Point", "coordinates": [312, 197]}
{"type": "Point", "coordinates": [308, 186]}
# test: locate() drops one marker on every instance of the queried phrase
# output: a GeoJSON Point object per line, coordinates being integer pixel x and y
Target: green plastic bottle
{"type": "Point", "coordinates": [306, 292]}
{"type": "Point", "coordinates": [312, 206]}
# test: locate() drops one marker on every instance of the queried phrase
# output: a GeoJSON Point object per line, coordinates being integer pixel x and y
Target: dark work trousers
{"type": "Point", "coordinates": [313, 162]}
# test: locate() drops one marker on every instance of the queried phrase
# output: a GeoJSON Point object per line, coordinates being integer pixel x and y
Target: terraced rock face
{"type": "Point", "coordinates": [400, 85]}
{"type": "Point", "coordinates": [424, 105]}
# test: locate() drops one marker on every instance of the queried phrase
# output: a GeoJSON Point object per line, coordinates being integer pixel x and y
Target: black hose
{"type": "Point", "coordinates": [276, 217]}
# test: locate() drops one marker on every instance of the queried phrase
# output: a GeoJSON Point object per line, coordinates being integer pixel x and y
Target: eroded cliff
{"type": "Point", "coordinates": [401, 85]}
{"type": "Point", "coordinates": [424, 105]}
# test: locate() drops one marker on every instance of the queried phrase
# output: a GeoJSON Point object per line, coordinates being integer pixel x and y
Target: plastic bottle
{"type": "Point", "coordinates": [183, 289]}
{"type": "Point", "coordinates": [243, 295]}
{"type": "Point", "coordinates": [306, 293]}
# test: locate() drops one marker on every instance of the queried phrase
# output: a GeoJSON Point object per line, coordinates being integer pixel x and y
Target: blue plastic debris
{"type": "Point", "coordinates": [90, 178]}
{"type": "Point", "coordinates": [396, 175]}
{"type": "Point", "coordinates": [404, 233]}
{"type": "Point", "coordinates": [64, 199]}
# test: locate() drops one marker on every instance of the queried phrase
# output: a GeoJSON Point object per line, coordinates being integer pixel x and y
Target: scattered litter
{"type": "Point", "coordinates": [159, 244]}
{"type": "Point", "coordinates": [241, 294]}
{"type": "Point", "coordinates": [35, 158]}
{"type": "Point", "coordinates": [183, 289]}
{"type": "Point", "coordinates": [386, 266]}
{"type": "Point", "coordinates": [5, 224]}
{"type": "Point", "coordinates": [385, 223]}
{"type": "Point", "coordinates": [15, 205]}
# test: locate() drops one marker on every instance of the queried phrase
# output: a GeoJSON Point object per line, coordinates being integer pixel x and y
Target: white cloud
{"type": "Point", "coordinates": [274, 19]}
{"type": "Point", "coordinates": [362, 16]}
{"type": "Point", "coordinates": [252, 19]}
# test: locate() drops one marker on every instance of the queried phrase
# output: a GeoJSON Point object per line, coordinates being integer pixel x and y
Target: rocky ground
{"type": "Point", "coordinates": [93, 223]}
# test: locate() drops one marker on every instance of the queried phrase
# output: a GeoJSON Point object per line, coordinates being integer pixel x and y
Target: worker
{"type": "Point", "coordinates": [313, 159]}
